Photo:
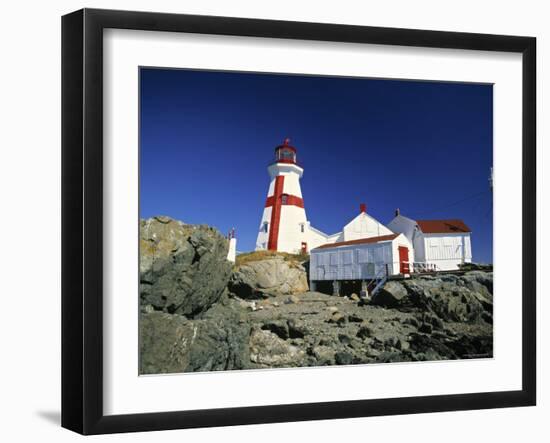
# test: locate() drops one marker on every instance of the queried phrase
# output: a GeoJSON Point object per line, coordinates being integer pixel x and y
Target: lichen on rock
{"type": "Point", "coordinates": [183, 268]}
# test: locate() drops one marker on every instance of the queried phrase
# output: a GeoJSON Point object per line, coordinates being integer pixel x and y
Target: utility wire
{"type": "Point", "coordinates": [470, 197]}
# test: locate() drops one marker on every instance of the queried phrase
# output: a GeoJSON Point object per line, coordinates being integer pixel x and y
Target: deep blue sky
{"type": "Point", "coordinates": [207, 137]}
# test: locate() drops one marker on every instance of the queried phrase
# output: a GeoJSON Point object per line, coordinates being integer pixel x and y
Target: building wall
{"type": "Point", "coordinates": [292, 184]}
{"type": "Point", "coordinates": [334, 238]}
{"type": "Point", "coordinates": [290, 232]}
{"type": "Point", "coordinates": [353, 262]}
{"type": "Point", "coordinates": [419, 246]}
{"type": "Point", "coordinates": [315, 237]}
{"type": "Point", "coordinates": [403, 225]}
{"type": "Point", "coordinates": [263, 237]}
{"type": "Point", "coordinates": [364, 226]}
{"type": "Point", "coordinates": [232, 252]}
{"type": "Point", "coordinates": [447, 251]}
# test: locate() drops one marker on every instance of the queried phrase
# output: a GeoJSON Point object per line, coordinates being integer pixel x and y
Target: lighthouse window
{"type": "Point", "coordinates": [265, 227]}
{"type": "Point", "coordinates": [284, 199]}
{"type": "Point", "coordinates": [302, 229]}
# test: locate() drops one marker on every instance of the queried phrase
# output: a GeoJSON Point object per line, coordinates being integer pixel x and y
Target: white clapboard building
{"type": "Point", "coordinates": [438, 244]}
{"type": "Point", "coordinates": [365, 249]}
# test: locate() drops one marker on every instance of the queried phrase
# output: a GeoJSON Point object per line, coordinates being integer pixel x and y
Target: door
{"type": "Point", "coordinates": [403, 260]}
{"type": "Point", "coordinates": [304, 247]}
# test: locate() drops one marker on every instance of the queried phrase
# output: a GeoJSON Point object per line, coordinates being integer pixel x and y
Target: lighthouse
{"type": "Point", "coordinates": [284, 226]}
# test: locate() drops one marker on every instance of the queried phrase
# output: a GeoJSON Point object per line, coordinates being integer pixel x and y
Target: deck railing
{"type": "Point", "coordinates": [422, 267]}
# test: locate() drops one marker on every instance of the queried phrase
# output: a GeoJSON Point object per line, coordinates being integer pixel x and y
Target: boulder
{"type": "Point", "coordinates": [343, 358]}
{"type": "Point", "coordinates": [272, 275]}
{"type": "Point", "coordinates": [390, 295]}
{"type": "Point", "coordinates": [183, 268]}
{"type": "Point", "coordinates": [171, 343]}
{"type": "Point", "coordinates": [269, 350]}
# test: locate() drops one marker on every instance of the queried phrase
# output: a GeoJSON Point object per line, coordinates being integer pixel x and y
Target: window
{"type": "Point", "coordinates": [286, 154]}
{"type": "Point", "coordinates": [347, 257]}
{"type": "Point", "coordinates": [284, 199]}
{"type": "Point", "coordinates": [265, 227]}
{"type": "Point", "coordinates": [302, 228]}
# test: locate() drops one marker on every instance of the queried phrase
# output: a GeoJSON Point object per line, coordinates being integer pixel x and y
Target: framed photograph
{"type": "Point", "coordinates": [269, 221]}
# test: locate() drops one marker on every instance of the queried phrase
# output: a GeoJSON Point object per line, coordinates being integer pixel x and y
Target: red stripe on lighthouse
{"type": "Point", "coordinates": [275, 213]}
{"type": "Point", "coordinates": [291, 200]}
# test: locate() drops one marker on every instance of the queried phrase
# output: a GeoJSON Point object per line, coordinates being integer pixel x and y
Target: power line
{"type": "Point", "coordinates": [470, 197]}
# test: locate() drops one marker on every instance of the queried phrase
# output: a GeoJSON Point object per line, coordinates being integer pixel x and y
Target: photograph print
{"type": "Point", "coordinates": [303, 221]}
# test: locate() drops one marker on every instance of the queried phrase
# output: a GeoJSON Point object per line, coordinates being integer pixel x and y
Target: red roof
{"type": "Point", "coordinates": [359, 241]}
{"type": "Point", "coordinates": [290, 148]}
{"type": "Point", "coordinates": [442, 226]}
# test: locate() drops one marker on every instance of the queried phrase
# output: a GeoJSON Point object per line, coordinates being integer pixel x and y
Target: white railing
{"type": "Point", "coordinates": [378, 280]}
{"type": "Point", "coordinates": [418, 267]}
{"type": "Point", "coordinates": [381, 283]}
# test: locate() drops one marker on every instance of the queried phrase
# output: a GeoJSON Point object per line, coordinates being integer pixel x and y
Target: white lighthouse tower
{"type": "Point", "coordinates": [284, 226]}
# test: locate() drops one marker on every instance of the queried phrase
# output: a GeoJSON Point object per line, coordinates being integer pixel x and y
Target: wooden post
{"type": "Point", "coordinates": [336, 288]}
{"type": "Point", "coordinates": [364, 289]}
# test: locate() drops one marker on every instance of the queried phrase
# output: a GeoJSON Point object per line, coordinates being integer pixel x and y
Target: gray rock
{"type": "Point", "coordinates": [338, 318]}
{"type": "Point", "coordinates": [364, 332]}
{"type": "Point", "coordinates": [171, 343]}
{"type": "Point", "coordinates": [426, 328]}
{"type": "Point", "coordinates": [183, 268]}
{"type": "Point", "coordinates": [269, 276]}
{"type": "Point", "coordinates": [292, 300]}
{"type": "Point", "coordinates": [269, 350]}
{"type": "Point", "coordinates": [278, 327]}
{"type": "Point", "coordinates": [390, 295]}
{"type": "Point", "coordinates": [343, 358]}
{"type": "Point", "coordinates": [297, 328]}
{"type": "Point", "coordinates": [458, 298]}
{"type": "Point", "coordinates": [324, 355]}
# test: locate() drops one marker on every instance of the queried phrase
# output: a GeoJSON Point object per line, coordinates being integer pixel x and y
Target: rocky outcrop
{"type": "Point", "coordinates": [172, 343]}
{"type": "Point", "coordinates": [313, 330]}
{"type": "Point", "coordinates": [270, 276]}
{"type": "Point", "coordinates": [458, 298]}
{"type": "Point", "coordinates": [183, 268]}
{"type": "Point", "coordinates": [199, 315]}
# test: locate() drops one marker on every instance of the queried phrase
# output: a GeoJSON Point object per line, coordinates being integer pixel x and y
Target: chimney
{"type": "Point", "coordinates": [363, 207]}
{"type": "Point", "coordinates": [397, 212]}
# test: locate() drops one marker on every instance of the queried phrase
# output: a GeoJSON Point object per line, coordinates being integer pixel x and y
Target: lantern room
{"type": "Point", "coordinates": [285, 153]}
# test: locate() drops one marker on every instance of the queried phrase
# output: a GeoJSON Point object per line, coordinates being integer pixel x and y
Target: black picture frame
{"type": "Point", "coordinates": [82, 218]}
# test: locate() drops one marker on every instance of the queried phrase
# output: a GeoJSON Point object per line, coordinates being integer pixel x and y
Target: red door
{"type": "Point", "coordinates": [403, 259]}
{"type": "Point", "coordinates": [304, 248]}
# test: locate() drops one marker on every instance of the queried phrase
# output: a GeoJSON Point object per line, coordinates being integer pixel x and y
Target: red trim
{"type": "Point", "coordinates": [294, 201]}
{"type": "Point", "coordinates": [359, 241]}
{"type": "Point", "coordinates": [290, 148]}
{"type": "Point", "coordinates": [275, 213]}
{"type": "Point", "coordinates": [291, 200]}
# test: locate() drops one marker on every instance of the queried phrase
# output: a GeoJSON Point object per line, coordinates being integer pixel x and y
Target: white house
{"type": "Point", "coordinates": [361, 259]}
{"type": "Point", "coordinates": [438, 244]}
